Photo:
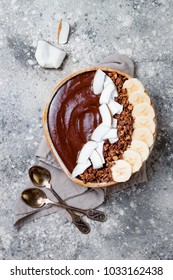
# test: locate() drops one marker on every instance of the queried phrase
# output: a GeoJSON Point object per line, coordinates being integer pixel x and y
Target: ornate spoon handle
{"type": "Point", "coordinates": [92, 214]}
{"type": "Point", "coordinates": [77, 220]}
{"type": "Point", "coordinates": [80, 223]}
{"type": "Point", "coordinates": [96, 215]}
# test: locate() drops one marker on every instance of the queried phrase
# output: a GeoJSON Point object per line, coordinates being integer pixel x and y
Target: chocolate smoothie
{"type": "Point", "coordinates": [73, 116]}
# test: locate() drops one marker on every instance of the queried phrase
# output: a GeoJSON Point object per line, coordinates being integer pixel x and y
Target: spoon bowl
{"type": "Point", "coordinates": [35, 198]}
{"type": "Point", "coordinates": [39, 176]}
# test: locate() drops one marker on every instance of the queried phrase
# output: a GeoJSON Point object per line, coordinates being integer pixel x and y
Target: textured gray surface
{"type": "Point", "coordinates": [140, 223]}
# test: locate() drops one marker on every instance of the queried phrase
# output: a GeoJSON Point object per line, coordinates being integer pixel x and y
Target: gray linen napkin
{"type": "Point", "coordinates": [74, 194]}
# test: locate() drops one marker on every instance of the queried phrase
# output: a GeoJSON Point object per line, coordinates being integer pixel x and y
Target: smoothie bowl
{"type": "Point", "coordinates": [100, 125]}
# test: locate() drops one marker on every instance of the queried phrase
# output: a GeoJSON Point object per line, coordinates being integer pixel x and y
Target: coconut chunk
{"type": "Point", "coordinates": [113, 140]}
{"type": "Point", "coordinates": [63, 32]}
{"type": "Point", "coordinates": [115, 107]}
{"type": "Point", "coordinates": [114, 93]}
{"type": "Point", "coordinates": [100, 150]}
{"type": "Point", "coordinates": [106, 93]}
{"type": "Point", "coordinates": [48, 56]}
{"type": "Point", "coordinates": [98, 81]}
{"type": "Point", "coordinates": [114, 123]}
{"type": "Point", "coordinates": [86, 151]}
{"type": "Point", "coordinates": [80, 168]}
{"type": "Point", "coordinates": [106, 115]}
{"type": "Point", "coordinates": [111, 134]}
{"type": "Point", "coordinates": [96, 160]}
{"type": "Point", "coordinates": [99, 132]}
{"type": "Point", "coordinates": [107, 81]}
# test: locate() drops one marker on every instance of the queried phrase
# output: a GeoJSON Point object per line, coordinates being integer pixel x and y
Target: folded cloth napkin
{"type": "Point", "coordinates": [119, 62]}
{"type": "Point", "coordinates": [72, 193]}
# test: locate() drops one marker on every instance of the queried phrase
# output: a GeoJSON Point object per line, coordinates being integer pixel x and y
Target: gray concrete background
{"type": "Point", "coordinates": [140, 219]}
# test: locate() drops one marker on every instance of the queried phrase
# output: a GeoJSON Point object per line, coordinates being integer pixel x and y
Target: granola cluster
{"type": "Point", "coordinates": [114, 151]}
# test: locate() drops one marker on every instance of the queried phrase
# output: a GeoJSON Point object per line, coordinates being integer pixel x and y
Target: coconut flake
{"type": "Point", "coordinates": [80, 168]}
{"type": "Point", "coordinates": [96, 160]}
{"type": "Point", "coordinates": [112, 133]}
{"type": "Point", "coordinates": [108, 80]}
{"type": "Point", "coordinates": [114, 123]}
{"type": "Point", "coordinates": [113, 140]}
{"type": "Point", "coordinates": [114, 93]}
{"type": "Point", "coordinates": [99, 132]}
{"type": "Point", "coordinates": [63, 32]}
{"type": "Point", "coordinates": [115, 107]}
{"type": "Point", "coordinates": [86, 151]}
{"type": "Point", "coordinates": [100, 150]}
{"type": "Point", "coordinates": [48, 56]}
{"type": "Point", "coordinates": [106, 94]}
{"type": "Point", "coordinates": [106, 115]}
{"type": "Point", "coordinates": [98, 81]}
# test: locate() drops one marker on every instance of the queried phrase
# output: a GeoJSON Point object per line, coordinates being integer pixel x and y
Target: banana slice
{"type": "Point", "coordinates": [143, 109]}
{"type": "Point", "coordinates": [121, 171]}
{"type": "Point", "coordinates": [132, 85]}
{"type": "Point", "coordinates": [137, 97]}
{"type": "Point", "coordinates": [144, 135]}
{"type": "Point", "coordinates": [141, 148]}
{"type": "Point", "coordinates": [134, 159]}
{"type": "Point", "coordinates": [145, 122]}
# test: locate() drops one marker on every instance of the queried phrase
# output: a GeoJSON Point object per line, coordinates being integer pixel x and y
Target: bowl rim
{"type": "Point", "coordinates": [46, 129]}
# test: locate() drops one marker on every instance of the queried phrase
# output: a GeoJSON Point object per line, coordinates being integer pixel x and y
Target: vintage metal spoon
{"type": "Point", "coordinates": [37, 198]}
{"type": "Point", "coordinates": [41, 177]}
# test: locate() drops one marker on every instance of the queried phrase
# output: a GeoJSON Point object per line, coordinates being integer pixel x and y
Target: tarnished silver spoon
{"type": "Point", "coordinates": [41, 177]}
{"type": "Point", "coordinates": [36, 198]}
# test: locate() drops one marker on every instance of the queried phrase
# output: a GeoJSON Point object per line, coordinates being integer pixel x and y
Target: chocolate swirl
{"type": "Point", "coordinates": [73, 116]}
